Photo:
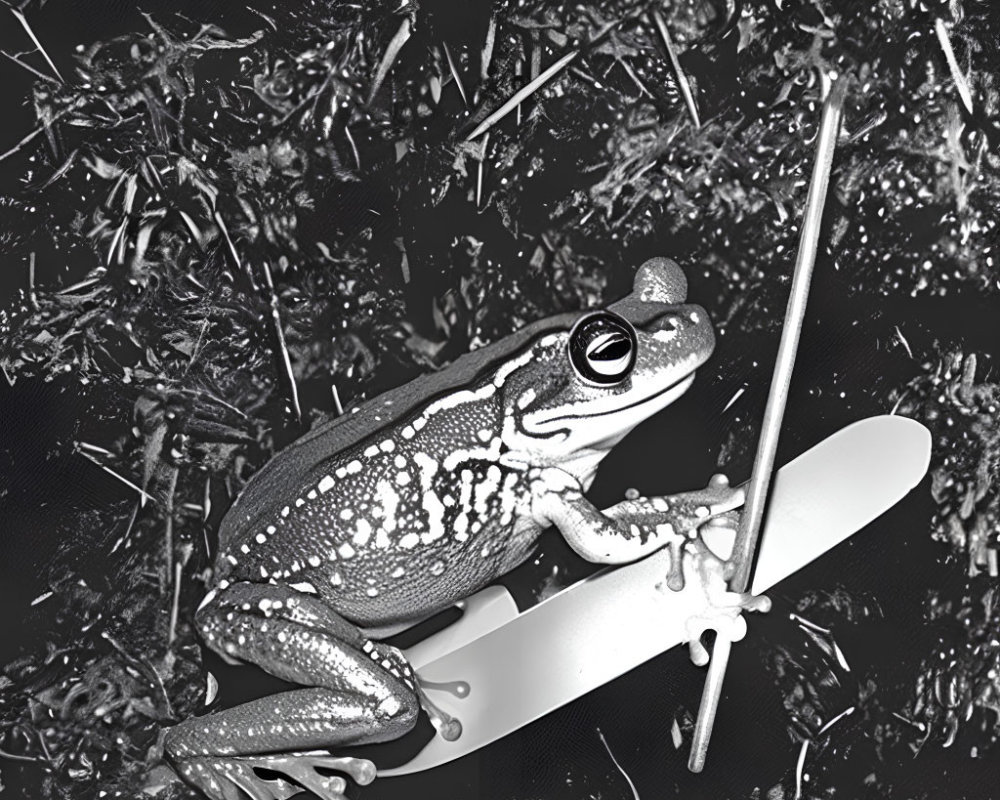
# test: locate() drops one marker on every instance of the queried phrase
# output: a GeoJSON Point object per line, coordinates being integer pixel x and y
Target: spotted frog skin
{"type": "Point", "coordinates": [425, 495]}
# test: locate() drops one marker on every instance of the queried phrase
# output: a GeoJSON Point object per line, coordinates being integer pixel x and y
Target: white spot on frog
{"type": "Point", "coordinates": [271, 529]}
{"type": "Point", "coordinates": [399, 572]}
{"type": "Point", "coordinates": [526, 398]}
{"type": "Point", "coordinates": [305, 587]}
{"type": "Point", "coordinates": [362, 532]}
{"type": "Point", "coordinates": [431, 503]}
{"type": "Point", "coordinates": [484, 434]}
{"type": "Point", "coordinates": [354, 467]}
{"type": "Point", "coordinates": [299, 502]}
{"type": "Point", "coordinates": [409, 541]}
{"type": "Point", "coordinates": [244, 549]}
{"type": "Point", "coordinates": [390, 706]}
{"type": "Point", "coordinates": [408, 432]}
{"type": "Point", "coordinates": [314, 561]}
{"type": "Point", "coordinates": [336, 579]}
{"type": "Point", "coordinates": [326, 484]}
{"type": "Point", "coordinates": [346, 514]}
{"type": "Point", "coordinates": [419, 422]}
{"type": "Point", "coordinates": [345, 550]}
{"type": "Point", "coordinates": [286, 511]}
{"type": "Point", "coordinates": [665, 335]}
{"type": "Point", "coordinates": [371, 452]}
{"type": "Point", "coordinates": [400, 462]}
{"type": "Point", "coordinates": [312, 494]}
{"type": "Point", "coordinates": [437, 568]}
{"type": "Point", "coordinates": [402, 478]}
{"type": "Point", "coordinates": [341, 473]}
{"type": "Point", "coordinates": [371, 591]}
{"type": "Point", "coordinates": [388, 505]}
{"type": "Point", "coordinates": [260, 538]}
{"type": "Point", "coordinates": [487, 489]}
{"type": "Point", "coordinates": [387, 446]}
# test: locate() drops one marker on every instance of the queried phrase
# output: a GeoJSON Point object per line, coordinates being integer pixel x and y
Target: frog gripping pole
{"type": "Point", "coordinates": [760, 480]}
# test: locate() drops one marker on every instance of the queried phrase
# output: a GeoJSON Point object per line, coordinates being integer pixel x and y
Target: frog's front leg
{"type": "Point", "coordinates": [634, 529]}
{"type": "Point", "coordinates": [359, 692]}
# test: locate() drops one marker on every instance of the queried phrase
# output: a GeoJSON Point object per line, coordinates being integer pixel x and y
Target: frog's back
{"type": "Point", "coordinates": [295, 467]}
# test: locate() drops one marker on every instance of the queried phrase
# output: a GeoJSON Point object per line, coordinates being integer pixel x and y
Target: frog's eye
{"type": "Point", "coordinates": [602, 348]}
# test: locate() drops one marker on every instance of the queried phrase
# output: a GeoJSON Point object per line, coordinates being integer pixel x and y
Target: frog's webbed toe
{"type": "Point", "coordinates": [239, 777]}
{"type": "Point", "coordinates": [723, 609]}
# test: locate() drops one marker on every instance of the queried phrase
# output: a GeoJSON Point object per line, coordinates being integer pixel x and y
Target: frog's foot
{"type": "Point", "coordinates": [284, 775]}
{"type": "Point", "coordinates": [723, 609]}
{"type": "Point", "coordinates": [444, 723]}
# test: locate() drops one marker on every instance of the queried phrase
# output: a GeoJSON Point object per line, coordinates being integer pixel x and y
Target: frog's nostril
{"type": "Point", "coordinates": [661, 280]}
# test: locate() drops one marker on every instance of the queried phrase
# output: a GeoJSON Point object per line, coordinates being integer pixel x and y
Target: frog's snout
{"type": "Point", "coordinates": [660, 280]}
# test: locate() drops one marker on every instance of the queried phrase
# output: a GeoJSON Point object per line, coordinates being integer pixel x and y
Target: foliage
{"type": "Point", "coordinates": [231, 233]}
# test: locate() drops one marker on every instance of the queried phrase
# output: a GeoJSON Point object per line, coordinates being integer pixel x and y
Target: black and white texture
{"type": "Point", "coordinates": [223, 221]}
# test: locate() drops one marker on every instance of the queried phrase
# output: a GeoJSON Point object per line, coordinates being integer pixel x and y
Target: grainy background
{"type": "Point", "coordinates": [141, 345]}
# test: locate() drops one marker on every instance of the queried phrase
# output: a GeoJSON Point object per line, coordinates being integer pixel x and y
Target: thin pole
{"type": "Point", "coordinates": [760, 480]}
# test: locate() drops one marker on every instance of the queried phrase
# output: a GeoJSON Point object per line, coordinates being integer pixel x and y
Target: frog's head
{"type": "Point", "coordinates": [578, 390]}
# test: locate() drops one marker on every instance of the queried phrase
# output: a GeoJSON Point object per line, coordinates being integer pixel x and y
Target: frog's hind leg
{"type": "Point", "coordinates": [359, 692]}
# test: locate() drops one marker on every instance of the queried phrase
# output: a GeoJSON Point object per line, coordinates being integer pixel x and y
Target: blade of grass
{"type": "Point", "coordinates": [389, 57]}
{"type": "Point", "coordinates": [31, 69]}
{"type": "Point", "coordinates": [19, 15]}
{"type": "Point", "coordinates": [956, 74]}
{"type": "Point", "coordinates": [682, 80]}
{"type": "Point", "coordinates": [454, 73]}
{"type": "Point", "coordinates": [285, 359]}
{"type": "Point", "coordinates": [522, 94]}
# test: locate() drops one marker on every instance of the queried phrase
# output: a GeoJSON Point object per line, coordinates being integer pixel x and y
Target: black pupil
{"type": "Point", "coordinates": [618, 346]}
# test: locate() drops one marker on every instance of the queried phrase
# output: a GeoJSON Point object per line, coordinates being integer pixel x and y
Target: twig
{"type": "Point", "coordinates": [168, 533]}
{"type": "Point", "coordinates": [95, 448]}
{"type": "Point", "coordinates": [22, 143]}
{"type": "Point", "coordinates": [285, 359]}
{"type": "Point", "coordinates": [77, 286]}
{"type": "Point", "coordinates": [799, 767]}
{"type": "Point", "coordinates": [454, 73]}
{"type": "Point", "coordinates": [682, 80]}
{"type": "Point", "coordinates": [479, 171]}
{"type": "Point", "coordinates": [15, 757]}
{"type": "Point", "coordinates": [123, 539]}
{"type": "Point", "coordinates": [214, 399]}
{"type": "Point", "coordinates": [521, 95]}
{"type": "Point", "coordinates": [354, 147]}
{"type": "Point", "coordinates": [28, 67]}
{"type": "Point", "coordinates": [614, 760]}
{"type": "Point", "coordinates": [175, 606]}
{"type": "Point", "coordinates": [491, 35]}
{"type": "Point", "coordinates": [902, 341]}
{"type": "Point", "coordinates": [19, 15]}
{"type": "Point", "coordinates": [389, 57]}
{"type": "Point", "coordinates": [263, 16]}
{"type": "Point", "coordinates": [225, 232]}
{"type": "Point", "coordinates": [142, 494]}
{"type": "Point", "coordinates": [745, 546]}
{"type": "Point", "coordinates": [956, 74]}
{"type": "Point", "coordinates": [32, 297]}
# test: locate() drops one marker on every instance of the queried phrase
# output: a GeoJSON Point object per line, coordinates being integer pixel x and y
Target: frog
{"type": "Point", "coordinates": [421, 497]}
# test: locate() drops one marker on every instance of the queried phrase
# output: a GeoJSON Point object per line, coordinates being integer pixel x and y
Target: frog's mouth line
{"type": "Point", "coordinates": [681, 384]}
